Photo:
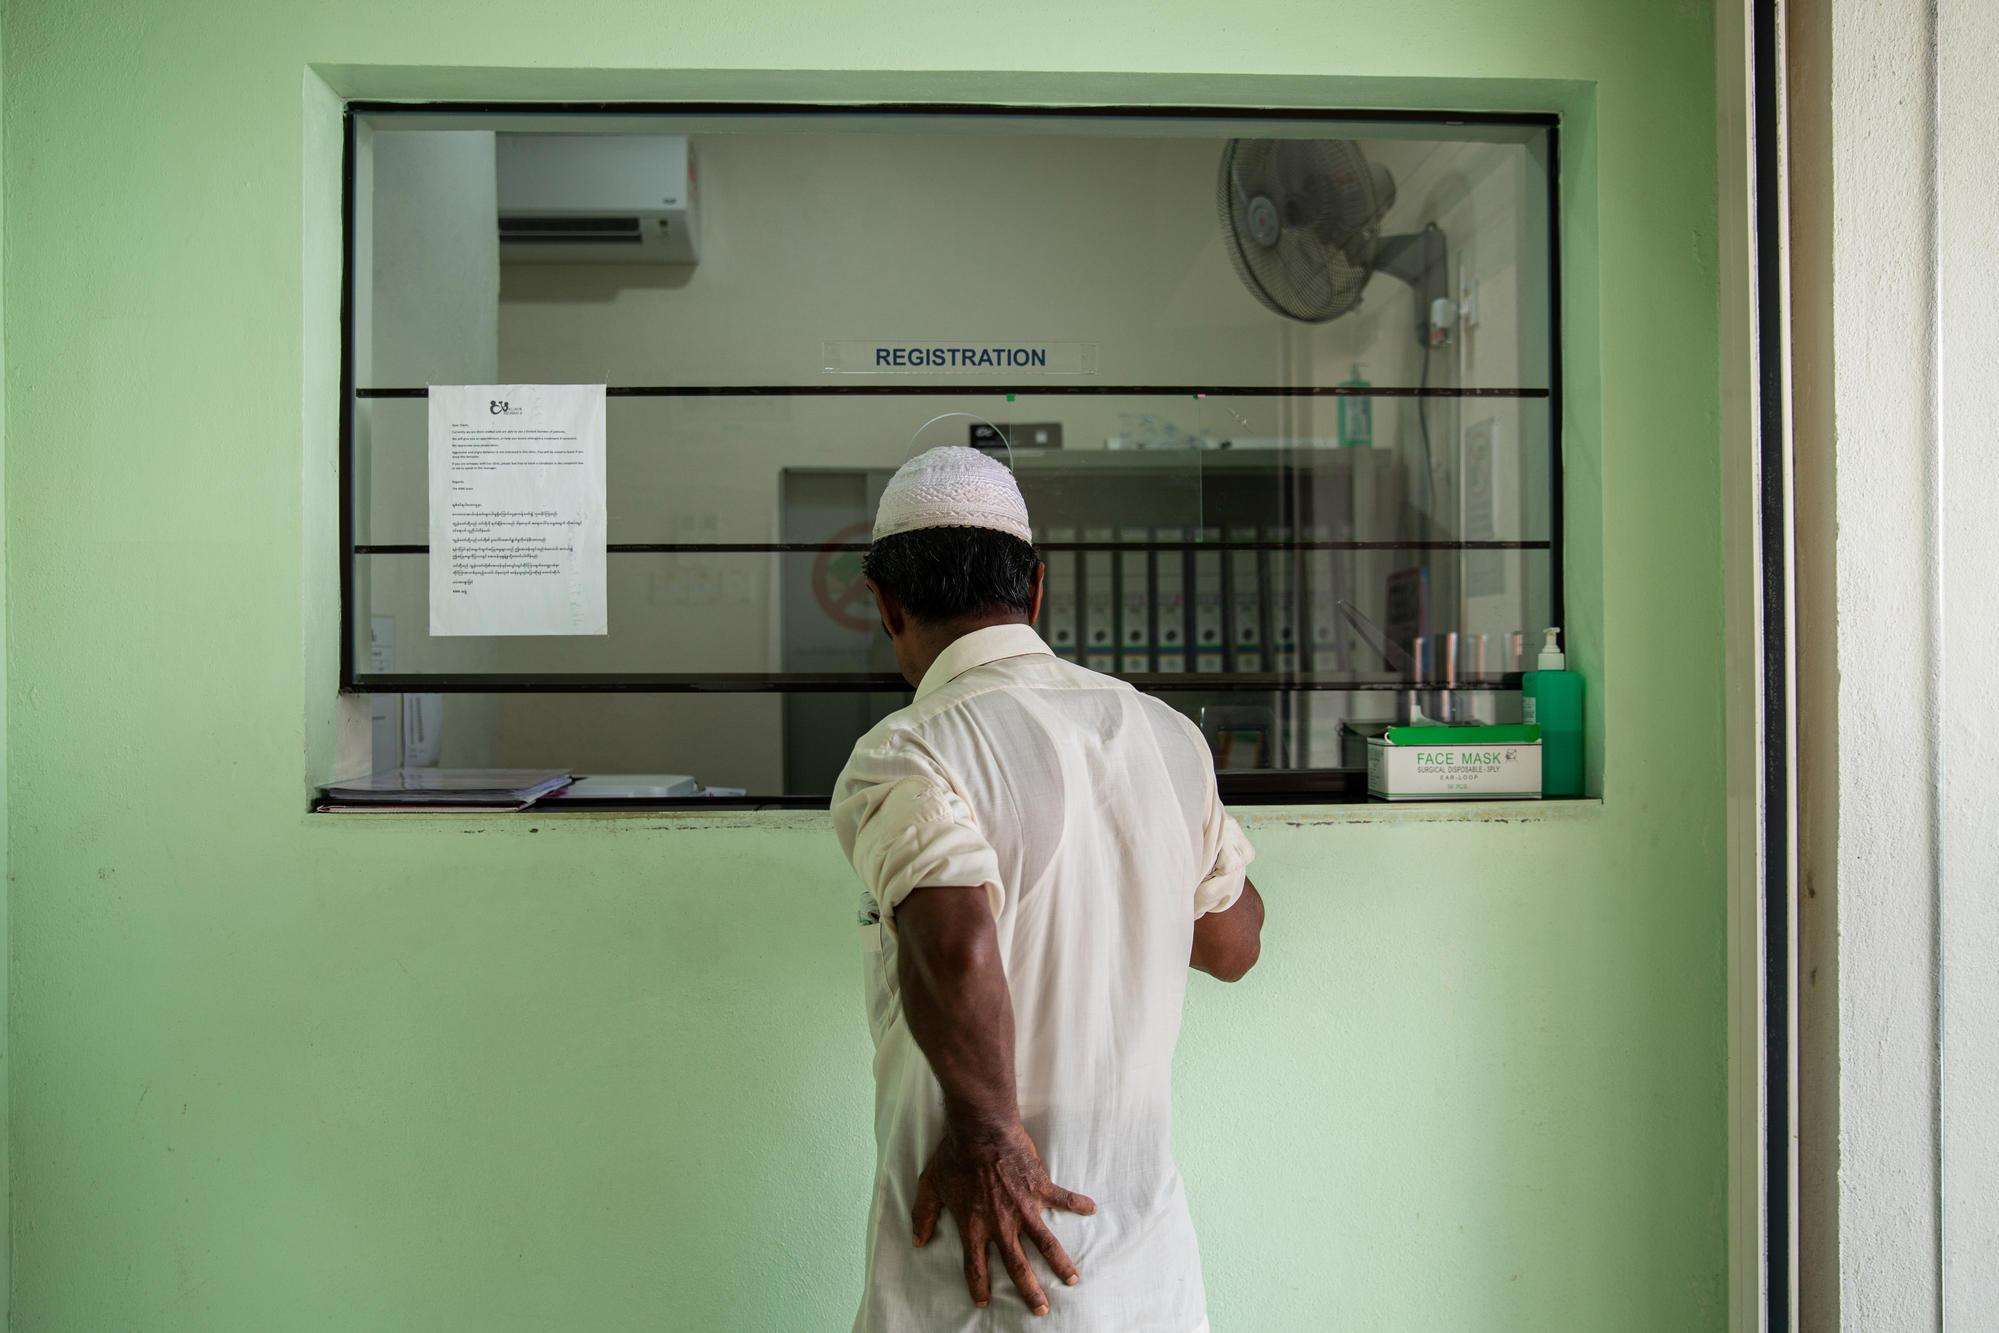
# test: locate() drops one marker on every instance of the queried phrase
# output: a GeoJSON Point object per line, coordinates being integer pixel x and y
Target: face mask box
{"type": "Point", "coordinates": [1455, 764]}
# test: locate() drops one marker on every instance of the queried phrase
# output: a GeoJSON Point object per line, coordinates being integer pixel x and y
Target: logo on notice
{"type": "Point", "coordinates": [500, 407]}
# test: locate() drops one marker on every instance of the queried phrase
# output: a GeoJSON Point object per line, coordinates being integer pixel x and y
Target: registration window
{"type": "Point", "coordinates": [1279, 390]}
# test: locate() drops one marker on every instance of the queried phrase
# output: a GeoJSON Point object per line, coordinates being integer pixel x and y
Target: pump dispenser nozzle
{"type": "Point", "coordinates": [1552, 658]}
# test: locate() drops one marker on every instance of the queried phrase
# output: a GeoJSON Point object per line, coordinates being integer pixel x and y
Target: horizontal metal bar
{"type": "Point", "coordinates": [1015, 110]}
{"type": "Point", "coordinates": [814, 548]}
{"type": "Point", "coordinates": [1257, 786]}
{"type": "Point", "coordinates": [1315, 786]}
{"type": "Point", "coordinates": [850, 682]}
{"type": "Point", "coordinates": [747, 682]}
{"type": "Point", "coordinates": [1017, 390]}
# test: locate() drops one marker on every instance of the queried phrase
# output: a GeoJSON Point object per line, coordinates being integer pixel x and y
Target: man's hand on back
{"type": "Point", "coordinates": [985, 1170]}
{"type": "Point", "coordinates": [996, 1190]}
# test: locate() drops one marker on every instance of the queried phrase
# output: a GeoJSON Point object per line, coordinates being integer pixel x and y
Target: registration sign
{"type": "Point", "coordinates": [958, 356]}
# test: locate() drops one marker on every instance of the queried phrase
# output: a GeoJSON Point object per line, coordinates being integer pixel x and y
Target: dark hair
{"type": "Point", "coordinates": [944, 574]}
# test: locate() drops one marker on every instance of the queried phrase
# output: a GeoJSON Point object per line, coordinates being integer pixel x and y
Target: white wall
{"type": "Point", "coordinates": [1968, 740]}
{"type": "Point", "coordinates": [1894, 272]}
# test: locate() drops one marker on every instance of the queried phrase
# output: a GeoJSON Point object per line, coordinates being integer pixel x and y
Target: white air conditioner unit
{"type": "Point", "coordinates": [597, 199]}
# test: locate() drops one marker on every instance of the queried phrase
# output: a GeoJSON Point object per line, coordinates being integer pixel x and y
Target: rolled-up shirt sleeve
{"type": "Point", "coordinates": [904, 827]}
{"type": "Point", "coordinates": [1227, 853]}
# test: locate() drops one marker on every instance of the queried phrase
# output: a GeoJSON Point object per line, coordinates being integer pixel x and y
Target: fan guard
{"type": "Point", "coordinates": [1302, 218]}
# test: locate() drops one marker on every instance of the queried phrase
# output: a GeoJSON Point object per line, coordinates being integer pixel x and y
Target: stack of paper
{"type": "Point", "coordinates": [445, 789]}
{"type": "Point", "coordinates": [633, 787]}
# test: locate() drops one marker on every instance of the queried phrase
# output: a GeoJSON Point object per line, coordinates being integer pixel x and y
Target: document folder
{"type": "Point", "coordinates": [1170, 560]}
{"type": "Point", "coordinates": [1283, 564]}
{"type": "Point", "coordinates": [1325, 639]}
{"type": "Point", "coordinates": [1059, 596]}
{"type": "Point", "coordinates": [1208, 597]}
{"type": "Point", "coordinates": [1099, 602]}
{"type": "Point", "coordinates": [1135, 601]}
{"type": "Point", "coordinates": [1245, 606]}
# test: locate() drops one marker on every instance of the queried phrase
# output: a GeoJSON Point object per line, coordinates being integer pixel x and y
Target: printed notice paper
{"type": "Point", "coordinates": [517, 509]}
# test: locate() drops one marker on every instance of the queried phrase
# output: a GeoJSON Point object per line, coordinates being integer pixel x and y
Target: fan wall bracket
{"type": "Point", "coordinates": [1419, 259]}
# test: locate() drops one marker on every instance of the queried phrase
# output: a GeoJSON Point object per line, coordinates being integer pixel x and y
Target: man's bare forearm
{"type": "Point", "coordinates": [956, 1002]}
{"type": "Point", "coordinates": [985, 1170]}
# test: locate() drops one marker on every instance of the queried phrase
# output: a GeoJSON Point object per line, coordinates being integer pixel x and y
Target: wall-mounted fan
{"type": "Point", "coordinates": [1302, 220]}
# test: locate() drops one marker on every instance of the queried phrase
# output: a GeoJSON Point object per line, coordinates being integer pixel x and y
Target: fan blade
{"type": "Point", "coordinates": [1384, 189]}
{"type": "Point", "coordinates": [1246, 167]}
{"type": "Point", "coordinates": [1303, 261]}
{"type": "Point", "coordinates": [1300, 217]}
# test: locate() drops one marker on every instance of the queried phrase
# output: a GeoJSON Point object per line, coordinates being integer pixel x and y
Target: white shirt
{"type": "Point", "coordinates": [1089, 813]}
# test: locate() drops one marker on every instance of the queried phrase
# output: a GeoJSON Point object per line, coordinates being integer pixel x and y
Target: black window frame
{"type": "Point", "coordinates": [1274, 785]}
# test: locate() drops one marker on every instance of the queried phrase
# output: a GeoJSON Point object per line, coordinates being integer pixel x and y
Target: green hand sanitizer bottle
{"type": "Point", "coordinates": [1356, 413]}
{"type": "Point", "coordinates": [1552, 699]}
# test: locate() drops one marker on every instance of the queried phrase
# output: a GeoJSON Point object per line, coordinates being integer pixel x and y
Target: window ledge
{"type": "Point", "coordinates": [1421, 812]}
{"type": "Point", "coordinates": [1252, 816]}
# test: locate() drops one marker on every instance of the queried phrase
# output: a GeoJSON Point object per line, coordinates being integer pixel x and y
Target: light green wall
{"type": "Point", "coordinates": [277, 1071]}
{"type": "Point", "coordinates": [6, 1269]}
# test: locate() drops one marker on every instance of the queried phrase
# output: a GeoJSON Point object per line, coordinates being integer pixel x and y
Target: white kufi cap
{"type": "Point", "coordinates": [952, 486]}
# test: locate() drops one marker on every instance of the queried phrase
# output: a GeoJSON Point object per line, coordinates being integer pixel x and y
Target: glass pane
{"type": "Point", "coordinates": [754, 744]}
{"type": "Point", "coordinates": [707, 470]}
{"type": "Point", "coordinates": [794, 745]}
{"type": "Point", "coordinates": [985, 231]}
{"type": "Point", "coordinates": [1276, 391]}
